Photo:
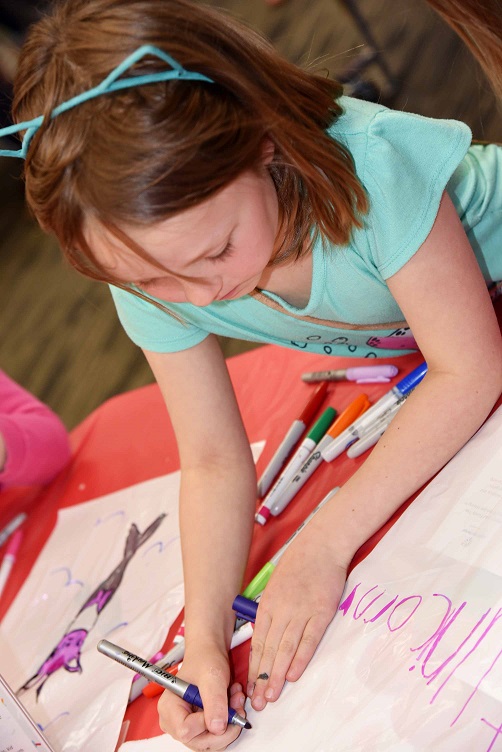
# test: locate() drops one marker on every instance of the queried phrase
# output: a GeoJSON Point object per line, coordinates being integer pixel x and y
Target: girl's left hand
{"type": "Point", "coordinates": [297, 605]}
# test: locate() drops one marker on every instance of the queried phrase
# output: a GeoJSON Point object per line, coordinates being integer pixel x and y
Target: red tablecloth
{"type": "Point", "coordinates": [129, 439]}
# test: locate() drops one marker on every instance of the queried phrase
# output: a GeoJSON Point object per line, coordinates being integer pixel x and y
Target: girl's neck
{"type": "Point", "coordinates": [291, 281]}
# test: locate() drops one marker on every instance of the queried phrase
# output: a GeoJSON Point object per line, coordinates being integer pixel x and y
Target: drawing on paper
{"type": "Point", "coordinates": [68, 650]}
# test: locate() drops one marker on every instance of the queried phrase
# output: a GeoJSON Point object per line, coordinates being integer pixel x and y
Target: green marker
{"type": "Point", "coordinates": [258, 583]}
{"type": "Point", "coordinates": [308, 444]}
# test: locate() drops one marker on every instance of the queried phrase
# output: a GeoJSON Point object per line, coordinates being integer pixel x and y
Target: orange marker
{"type": "Point", "coordinates": [356, 408]}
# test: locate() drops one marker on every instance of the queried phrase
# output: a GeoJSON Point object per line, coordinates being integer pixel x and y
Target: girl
{"type": "Point", "coordinates": [224, 191]}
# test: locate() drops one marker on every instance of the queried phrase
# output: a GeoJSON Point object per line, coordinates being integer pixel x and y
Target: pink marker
{"type": "Point", "coordinates": [9, 558]}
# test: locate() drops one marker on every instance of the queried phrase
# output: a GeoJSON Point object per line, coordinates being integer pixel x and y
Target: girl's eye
{"type": "Point", "coordinates": [147, 284]}
{"type": "Point", "coordinates": [225, 253]}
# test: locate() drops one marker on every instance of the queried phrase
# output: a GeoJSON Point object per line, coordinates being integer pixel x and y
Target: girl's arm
{"type": "Point", "coordinates": [217, 504]}
{"type": "Point", "coordinates": [34, 443]}
{"type": "Point", "coordinates": [443, 296]}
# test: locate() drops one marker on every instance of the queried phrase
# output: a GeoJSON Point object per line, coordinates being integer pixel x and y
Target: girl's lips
{"type": "Point", "coordinates": [230, 294]}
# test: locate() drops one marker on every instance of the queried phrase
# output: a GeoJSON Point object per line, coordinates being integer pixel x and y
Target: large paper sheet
{"type": "Point", "coordinates": [101, 573]}
{"type": "Point", "coordinates": [18, 731]}
{"type": "Point", "coordinates": [413, 658]}
{"type": "Point", "coordinates": [111, 569]}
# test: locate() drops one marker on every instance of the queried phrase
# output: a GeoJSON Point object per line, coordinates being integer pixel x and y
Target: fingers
{"type": "Point", "coordinates": [298, 603]}
{"type": "Point", "coordinates": [281, 650]}
{"type": "Point", "coordinates": [311, 637]}
{"type": "Point", "coordinates": [213, 691]}
{"type": "Point", "coordinates": [179, 720]}
{"type": "Point", "coordinates": [237, 698]}
{"type": "Point", "coordinates": [190, 725]}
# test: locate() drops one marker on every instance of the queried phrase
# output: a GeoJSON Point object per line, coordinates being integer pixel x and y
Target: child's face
{"type": "Point", "coordinates": [217, 250]}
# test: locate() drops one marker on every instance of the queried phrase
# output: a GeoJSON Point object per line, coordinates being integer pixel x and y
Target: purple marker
{"type": "Point", "coordinates": [245, 608]}
{"type": "Point", "coordinates": [361, 375]}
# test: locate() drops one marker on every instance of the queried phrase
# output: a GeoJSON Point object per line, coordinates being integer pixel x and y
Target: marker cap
{"type": "Point", "coordinates": [245, 608]}
{"type": "Point", "coordinates": [257, 584]}
{"type": "Point", "coordinates": [313, 404]}
{"type": "Point", "coordinates": [412, 379]}
{"type": "Point", "coordinates": [262, 515]}
{"type": "Point", "coordinates": [371, 374]}
{"type": "Point", "coordinates": [321, 426]}
{"type": "Point", "coordinates": [356, 408]}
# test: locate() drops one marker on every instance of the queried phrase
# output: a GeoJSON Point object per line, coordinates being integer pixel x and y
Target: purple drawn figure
{"type": "Point", "coordinates": [67, 652]}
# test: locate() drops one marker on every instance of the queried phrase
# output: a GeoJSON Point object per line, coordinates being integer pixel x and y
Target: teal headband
{"type": "Point", "coordinates": [111, 83]}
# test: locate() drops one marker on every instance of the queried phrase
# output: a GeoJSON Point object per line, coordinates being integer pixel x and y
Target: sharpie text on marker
{"type": "Point", "coordinates": [370, 438]}
{"type": "Point", "coordinates": [306, 447]}
{"type": "Point", "coordinates": [356, 408]}
{"type": "Point", "coordinates": [375, 412]}
{"type": "Point", "coordinates": [293, 434]}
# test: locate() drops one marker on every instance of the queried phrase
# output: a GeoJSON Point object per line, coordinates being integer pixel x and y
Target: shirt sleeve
{"type": "Point", "coordinates": [408, 162]}
{"type": "Point", "coordinates": [36, 441]}
{"type": "Point", "coordinates": [154, 329]}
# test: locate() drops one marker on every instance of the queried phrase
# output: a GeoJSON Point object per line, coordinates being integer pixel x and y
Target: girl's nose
{"type": "Point", "coordinates": [202, 293]}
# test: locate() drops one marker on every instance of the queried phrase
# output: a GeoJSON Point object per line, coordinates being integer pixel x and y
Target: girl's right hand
{"type": "Point", "coordinates": [208, 729]}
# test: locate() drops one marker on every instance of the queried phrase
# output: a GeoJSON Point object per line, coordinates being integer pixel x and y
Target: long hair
{"type": "Point", "coordinates": [142, 155]}
{"type": "Point", "coordinates": [479, 24]}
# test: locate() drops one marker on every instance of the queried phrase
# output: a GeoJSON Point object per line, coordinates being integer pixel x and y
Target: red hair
{"type": "Point", "coordinates": [141, 155]}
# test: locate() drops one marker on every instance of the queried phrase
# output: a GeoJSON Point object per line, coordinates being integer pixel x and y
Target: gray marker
{"type": "Point", "coordinates": [183, 689]}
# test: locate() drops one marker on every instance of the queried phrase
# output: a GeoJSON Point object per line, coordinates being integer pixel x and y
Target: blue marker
{"type": "Point", "coordinates": [367, 421]}
{"type": "Point", "coordinates": [183, 689]}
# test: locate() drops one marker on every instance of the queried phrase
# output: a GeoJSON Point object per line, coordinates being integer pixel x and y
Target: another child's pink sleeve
{"type": "Point", "coordinates": [36, 440]}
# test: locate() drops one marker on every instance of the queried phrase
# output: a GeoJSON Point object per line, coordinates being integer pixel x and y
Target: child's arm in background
{"type": "Point", "coordinates": [217, 504]}
{"type": "Point", "coordinates": [444, 299]}
{"type": "Point", "coordinates": [34, 443]}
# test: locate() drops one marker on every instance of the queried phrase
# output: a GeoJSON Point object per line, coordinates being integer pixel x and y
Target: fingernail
{"type": "Point", "coordinates": [216, 726]}
{"type": "Point", "coordinates": [259, 703]}
{"type": "Point", "coordinates": [269, 694]}
{"type": "Point", "coordinates": [250, 689]}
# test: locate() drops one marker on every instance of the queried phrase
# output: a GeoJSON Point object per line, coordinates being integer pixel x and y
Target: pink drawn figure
{"type": "Point", "coordinates": [67, 652]}
{"type": "Point", "coordinates": [399, 339]}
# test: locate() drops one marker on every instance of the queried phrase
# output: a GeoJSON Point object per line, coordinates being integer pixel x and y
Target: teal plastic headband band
{"type": "Point", "coordinates": [111, 83]}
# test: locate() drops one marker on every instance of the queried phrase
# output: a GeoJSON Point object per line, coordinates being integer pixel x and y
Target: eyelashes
{"type": "Point", "coordinates": [225, 253]}
{"type": "Point", "coordinates": [149, 284]}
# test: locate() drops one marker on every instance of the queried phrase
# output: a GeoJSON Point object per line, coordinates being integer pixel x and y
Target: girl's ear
{"type": "Point", "coordinates": [267, 151]}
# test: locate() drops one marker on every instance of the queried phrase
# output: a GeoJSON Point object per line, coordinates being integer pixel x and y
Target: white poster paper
{"type": "Point", "coordinates": [413, 658]}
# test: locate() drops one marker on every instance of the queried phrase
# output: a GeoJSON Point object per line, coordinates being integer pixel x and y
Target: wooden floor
{"type": "Point", "coordinates": [58, 332]}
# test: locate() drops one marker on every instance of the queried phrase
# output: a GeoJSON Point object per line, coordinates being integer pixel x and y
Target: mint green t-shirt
{"type": "Point", "coordinates": [404, 162]}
